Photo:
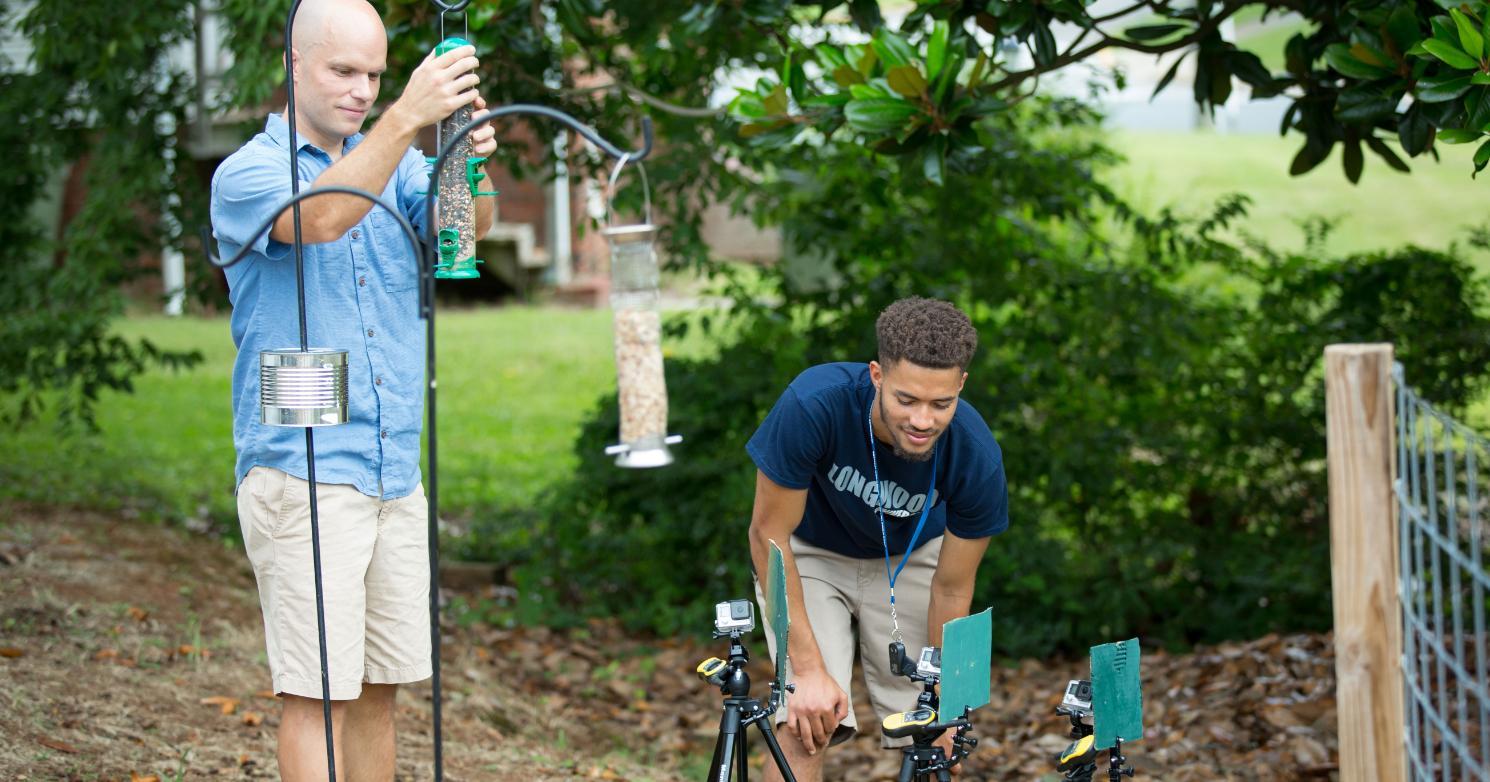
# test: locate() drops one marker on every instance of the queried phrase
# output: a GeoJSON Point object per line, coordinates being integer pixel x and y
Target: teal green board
{"type": "Point", "coordinates": [967, 646]}
{"type": "Point", "coordinates": [776, 601]}
{"type": "Point", "coordinates": [1117, 693]}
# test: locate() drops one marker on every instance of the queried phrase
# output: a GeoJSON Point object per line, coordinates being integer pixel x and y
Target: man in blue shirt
{"type": "Point", "coordinates": [859, 465]}
{"type": "Point", "coordinates": [361, 289]}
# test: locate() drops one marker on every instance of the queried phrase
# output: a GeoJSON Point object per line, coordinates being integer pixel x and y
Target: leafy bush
{"type": "Point", "coordinates": [657, 547]}
{"type": "Point", "coordinates": [60, 296]}
{"type": "Point", "coordinates": [1164, 439]}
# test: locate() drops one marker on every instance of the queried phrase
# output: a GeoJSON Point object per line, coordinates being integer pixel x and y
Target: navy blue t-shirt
{"type": "Point", "coordinates": [817, 438]}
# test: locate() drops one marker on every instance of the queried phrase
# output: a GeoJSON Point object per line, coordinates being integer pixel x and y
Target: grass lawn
{"type": "Point", "coordinates": [515, 384]}
{"type": "Point", "coordinates": [1431, 207]}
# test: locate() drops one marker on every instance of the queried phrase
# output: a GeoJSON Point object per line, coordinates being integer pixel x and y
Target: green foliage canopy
{"type": "Point", "coordinates": [98, 88]}
{"type": "Point", "coordinates": [1164, 439]}
{"type": "Point", "coordinates": [1411, 70]}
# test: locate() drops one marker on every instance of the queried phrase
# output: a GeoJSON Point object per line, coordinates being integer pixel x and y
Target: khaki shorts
{"type": "Point", "coordinates": [846, 594]}
{"type": "Point", "coordinates": [375, 573]}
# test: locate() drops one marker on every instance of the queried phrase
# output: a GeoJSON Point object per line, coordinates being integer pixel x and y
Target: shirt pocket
{"type": "Point", "coordinates": [395, 261]}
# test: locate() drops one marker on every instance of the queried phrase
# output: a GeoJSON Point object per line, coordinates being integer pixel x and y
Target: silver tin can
{"type": "Point", "coordinates": [303, 387]}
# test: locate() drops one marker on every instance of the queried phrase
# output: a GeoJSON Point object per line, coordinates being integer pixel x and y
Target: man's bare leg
{"type": "Point", "coordinates": [805, 767]}
{"type": "Point", "coordinates": [302, 739]}
{"type": "Point", "coordinates": [370, 734]}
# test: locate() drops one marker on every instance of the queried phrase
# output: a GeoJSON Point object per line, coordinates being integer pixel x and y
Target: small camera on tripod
{"type": "Point", "coordinates": [930, 663]}
{"type": "Point", "coordinates": [733, 616]}
{"type": "Point", "coordinates": [1076, 703]}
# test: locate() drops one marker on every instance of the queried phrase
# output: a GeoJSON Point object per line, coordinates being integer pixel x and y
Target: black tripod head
{"type": "Point", "coordinates": [923, 760]}
{"type": "Point", "coordinates": [729, 675]}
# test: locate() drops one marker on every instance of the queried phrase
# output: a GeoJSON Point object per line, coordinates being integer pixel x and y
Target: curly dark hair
{"type": "Point", "coordinates": [926, 332]}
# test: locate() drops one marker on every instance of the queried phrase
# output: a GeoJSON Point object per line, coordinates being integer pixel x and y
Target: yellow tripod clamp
{"type": "Point", "coordinates": [1081, 752]}
{"type": "Point", "coordinates": [908, 723]}
{"type": "Point", "coordinates": [710, 668]}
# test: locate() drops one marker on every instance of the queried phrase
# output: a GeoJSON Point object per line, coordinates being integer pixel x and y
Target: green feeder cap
{"type": "Point", "coordinates": [464, 269]}
{"type": "Point", "coordinates": [451, 43]}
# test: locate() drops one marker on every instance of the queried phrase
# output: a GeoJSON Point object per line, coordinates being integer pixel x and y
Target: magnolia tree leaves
{"type": "Point", "coordinates": [1392, 78]}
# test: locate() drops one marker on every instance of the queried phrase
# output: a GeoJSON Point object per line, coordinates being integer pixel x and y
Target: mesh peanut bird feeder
{"type": "Point", "coordinates": [641, 385]}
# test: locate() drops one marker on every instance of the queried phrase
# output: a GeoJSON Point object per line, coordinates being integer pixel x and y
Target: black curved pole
{"type": "Point", "coordinates": [451, 8]}
{"type": "Point", "coordinates": [587, 132]}
{"type": "Point", "coordinates": [310, 438]}
{"type": "Point", "coordinates": [403, 222]}
{"type": "Point", "coordinates": [295, 181]}
{"type": "Point", "coordinates": [293, 202]}
{"type": "Point", "coordinates": [427, 291]}
{"type": "Point", "coordinates": [425, 309]}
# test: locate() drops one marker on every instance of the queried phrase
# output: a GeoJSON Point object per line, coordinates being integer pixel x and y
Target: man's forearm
{"type": "Point", "coordinates": [368, 167]}
{"type": "Point", "coordinates": [946, 605]}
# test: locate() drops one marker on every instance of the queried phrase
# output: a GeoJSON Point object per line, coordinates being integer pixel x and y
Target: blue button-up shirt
{"type": "Point", "coordinates": [361, 295]}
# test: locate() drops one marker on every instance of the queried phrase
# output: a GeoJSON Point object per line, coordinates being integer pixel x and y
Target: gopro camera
{"type": "Point", "coordinates": [734, 616]}
{"type": "Point", "coordinates": [1078, 697]}
{"type": "Point", "coordinates": [930, 663]}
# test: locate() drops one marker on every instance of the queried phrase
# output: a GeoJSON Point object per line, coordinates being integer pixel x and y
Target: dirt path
{"type": "Point", "coordinates": [131, 650]}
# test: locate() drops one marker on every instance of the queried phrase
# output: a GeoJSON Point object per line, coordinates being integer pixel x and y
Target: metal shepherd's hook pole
{"type": "Point", "coordinates": [433, 246]}
{"type": "Point", "coordinates": [310, 441]}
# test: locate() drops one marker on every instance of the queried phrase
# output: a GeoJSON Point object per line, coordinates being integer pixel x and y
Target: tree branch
{"type": "Point", "coordinates": [662, 105]}
{"type": "Point", "coordinates": [1075, 42]}
{"type": "Point", "coordinates": [1209, 26]}
{"type": "Point", "coordinates": [1120, 14]}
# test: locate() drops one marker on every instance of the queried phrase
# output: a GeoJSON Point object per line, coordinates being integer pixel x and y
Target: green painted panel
{"type": "Point", "coordinates": [776, 600]}
{"type": "Point", "coordinates": [1117, 693]}
{"type": "Point", "coordinates": [967, 648]}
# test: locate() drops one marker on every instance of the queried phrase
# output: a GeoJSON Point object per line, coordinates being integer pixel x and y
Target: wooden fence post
{"type": "Point", "coordinates": [1359, 403]}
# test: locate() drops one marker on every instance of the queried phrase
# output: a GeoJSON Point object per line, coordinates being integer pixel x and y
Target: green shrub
{"type": "Point", "coordinates": [658, 547]}
{"type": "Point", "coordinates": [1163, 437]}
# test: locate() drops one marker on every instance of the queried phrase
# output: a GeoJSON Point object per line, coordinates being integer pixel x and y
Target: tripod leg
{"type": "Point", "coordinates": [908, 768]}
{"type": "Point", "coordinates": [714, 763]}
{"type": "Point", "coordinates": [742, 752]}
{"type": "Point", "coordinates": [943, 775]}
{"type": "Point", "coordinates": [724, 749]}
{"type": "Point", "coordinates": [775, 749]}
{"type": "Point", "coordinates": [726, 760]}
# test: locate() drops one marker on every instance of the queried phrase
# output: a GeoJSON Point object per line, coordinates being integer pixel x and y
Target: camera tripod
{"type": "Point", "coordinates": [923, 761]}
{"type": "Point", "coordinates": [740, 712]}
{"type": "Point", "coordinates": [1078, 763]}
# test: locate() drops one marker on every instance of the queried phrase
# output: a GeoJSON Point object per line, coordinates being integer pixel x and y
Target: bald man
{"type": "Point", "coordinates": [361, 295]}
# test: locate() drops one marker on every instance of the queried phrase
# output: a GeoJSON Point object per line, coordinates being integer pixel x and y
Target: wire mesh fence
{"type": "Point", "coordinates": [1441, 486]}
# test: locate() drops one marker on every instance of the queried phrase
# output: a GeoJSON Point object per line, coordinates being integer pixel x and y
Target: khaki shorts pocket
{"type": "Point", "coordinates": [270, 502]}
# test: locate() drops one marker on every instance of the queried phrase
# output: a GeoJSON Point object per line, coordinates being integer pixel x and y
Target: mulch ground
{"type": "Point", "coordinates": [133, 651]}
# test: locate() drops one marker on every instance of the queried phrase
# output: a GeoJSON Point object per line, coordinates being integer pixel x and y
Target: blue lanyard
{"type": "Point", "coordinates": [879, 503]}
